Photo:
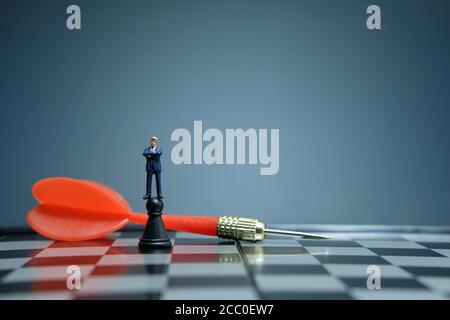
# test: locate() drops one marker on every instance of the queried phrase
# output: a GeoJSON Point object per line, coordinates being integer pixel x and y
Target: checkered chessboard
{"type": "Point", "coordinates": [411, 265]}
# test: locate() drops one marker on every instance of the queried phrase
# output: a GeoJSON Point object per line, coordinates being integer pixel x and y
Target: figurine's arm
{"type": "Point", "coordinates": [158, 153]}
{"type": "Point", "coordinates": [147, 153]}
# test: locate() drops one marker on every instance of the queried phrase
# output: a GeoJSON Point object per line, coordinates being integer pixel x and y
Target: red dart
{"type": "Point", "coordinates": [77, 210]}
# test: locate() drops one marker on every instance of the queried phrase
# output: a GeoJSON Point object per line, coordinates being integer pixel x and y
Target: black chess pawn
{"type": "Point", "coordinates": [155, 234]}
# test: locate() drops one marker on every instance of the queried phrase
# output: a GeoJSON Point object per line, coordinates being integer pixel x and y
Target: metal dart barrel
{"type": "Point", "coordinates": [239, 228]}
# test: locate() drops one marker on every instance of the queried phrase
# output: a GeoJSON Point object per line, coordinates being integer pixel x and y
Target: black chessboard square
{"type": "Point", "coordinates": [328, 243]}
{"type": "Point", "coordinates": [121, 296]}
{"type": "Point", "coordinates": [4, 273]}
{"type": "Point", "coordinates": [136, 250]}
{"type": "Point", "coordinates": [405, 252]}
{"type": "Point", "coordinates": [26, 253]}
{"type": "Point", "coordinates": [209, 281]}
{"type": "Point", "coordinates": [36, 286]}
{"type": "Point", "coordinates": [118, 270]}
{"type": "Point", "coordinates": [435, 245]}
{"type": "Point", "coordinates": [23, 237]}
{"type": "Point", "coordinates": [130, 235]}
{"type": "Point", "coordinates": [103, 242]}
{"type": "Point", "coordinates": [366, 260]}
{"type": "Point", "coordinates": [391, 283]}
{"type": "Point", "coordinates": [428, 271]}
{"type": "Point", "coordinates": [288, 269]}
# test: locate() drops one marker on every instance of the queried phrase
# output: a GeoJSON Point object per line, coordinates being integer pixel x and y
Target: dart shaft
{"type": "Point", "coordinates": [239, 228]}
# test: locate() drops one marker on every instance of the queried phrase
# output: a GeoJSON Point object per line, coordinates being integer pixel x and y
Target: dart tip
{"type": "Point", "coordinates": [316, 236]}
{"type": "Point", "coordinates": [289, 233]}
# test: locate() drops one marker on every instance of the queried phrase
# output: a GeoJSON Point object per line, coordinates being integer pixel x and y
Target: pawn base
{"type": "Point", "coordinates": [154, 243]}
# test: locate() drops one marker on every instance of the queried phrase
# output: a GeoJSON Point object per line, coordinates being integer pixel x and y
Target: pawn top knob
{"type": "Point", "coordinates": [154, 205]}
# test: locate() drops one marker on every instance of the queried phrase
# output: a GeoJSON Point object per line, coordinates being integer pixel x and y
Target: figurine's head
{"type": "Point", "coordinates": [153, 141]}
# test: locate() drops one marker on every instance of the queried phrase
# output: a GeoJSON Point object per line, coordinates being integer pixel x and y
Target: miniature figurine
{"type": "Point", "coordinates": [153, 154]}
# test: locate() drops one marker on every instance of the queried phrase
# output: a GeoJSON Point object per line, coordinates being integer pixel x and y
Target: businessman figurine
{"type": "Point", "coordinates": [153, 153]}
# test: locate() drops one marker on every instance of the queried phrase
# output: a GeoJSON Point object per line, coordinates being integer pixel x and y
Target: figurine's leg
{"type": "Point", "coordinates": [148, 186]}
{"type": "Point", "coordinates": [158, 184]}
{"type": "Point", "coordinates": [149, 182]}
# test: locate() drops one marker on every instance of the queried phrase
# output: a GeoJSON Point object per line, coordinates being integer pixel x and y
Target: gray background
{"type": "Point", "coordinates": [363, 115]}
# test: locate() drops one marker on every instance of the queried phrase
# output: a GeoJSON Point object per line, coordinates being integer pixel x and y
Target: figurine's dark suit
{"type": "Point", "coordinates": [153, 168]}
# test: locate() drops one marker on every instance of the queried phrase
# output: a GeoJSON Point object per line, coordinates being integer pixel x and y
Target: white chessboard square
{"type": "Point", "coordinates": [123, 284]}
{"type": "Point", "coordinates": [126, 242]}
{"type": "Point", "coordinates": [409, 261]}
{"type": "Point", "coordinates": [134, 259]}
{"type": "Point", "coordinates": [211, 269]}
{"type": "Point", "coordinates": [208, 293]}
{"type": "Point", "coordinates": [283, 242]}
{"type": "Point", "coordinates": [340, 251]}
{"type": "Point", "coordinates": [281, 259]}
{"type": "Point", "coordinates": [396, 294]}
{"type": "Point", "coordinates": [205, 249]}
{"type": "Point", "coordinates": [12, 263]}
{"type": "Point", "coordinates": [299, 283]}
{"type": "Point", "coordinates": [441, 284]}
{"type": "Point", "coordinates": [24, 245]}
{"type": "Point", "coordinates": [72, 252]}
{"type": "Point", "coordinates": [34, 274]}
